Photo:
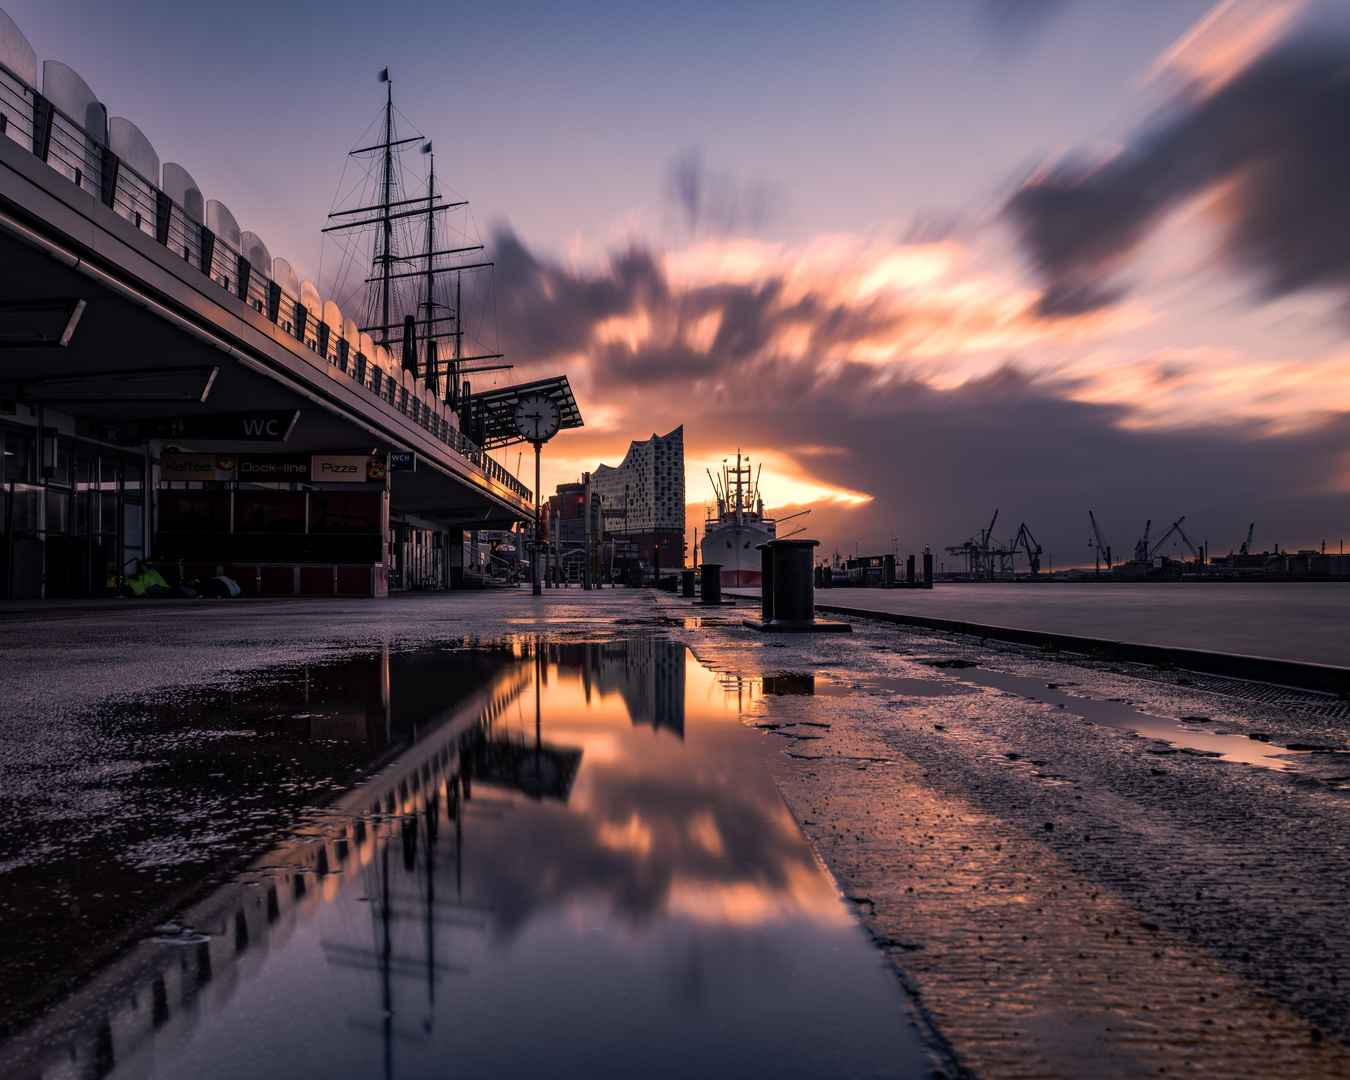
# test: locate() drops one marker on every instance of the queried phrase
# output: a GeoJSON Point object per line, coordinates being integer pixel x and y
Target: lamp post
{"type": "Point", "coordinates": [536, 586]}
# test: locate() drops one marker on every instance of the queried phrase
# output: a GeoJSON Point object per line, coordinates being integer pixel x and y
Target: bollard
{"type": "Point", "coordinates": [711, 575]}
{"type": "Point", "coordinates": [789, 579]}
{"type": "Point", "coordinates": [794, 598]}
{"type": "Point", "coordinates": [888, 572]}
{"type": "Point", "coordinates": [765, 580]}
{"type": "Point", "coordinates": [909, 571]}
{"type": "Point", "coordinates": [687, 582]}
{"type": "Point", "coordinates": [927, 569]}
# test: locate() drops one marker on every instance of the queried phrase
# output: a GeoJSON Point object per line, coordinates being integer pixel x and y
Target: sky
{"type": "Point", "coordinates": [921, 260]}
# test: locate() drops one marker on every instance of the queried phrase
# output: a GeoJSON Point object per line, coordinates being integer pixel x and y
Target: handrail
{"type": "Point", "coordinates": [73, 152]}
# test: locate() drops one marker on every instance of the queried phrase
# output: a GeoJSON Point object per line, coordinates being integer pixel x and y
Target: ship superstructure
{"type": "Point", "coordinates": [738, 525]}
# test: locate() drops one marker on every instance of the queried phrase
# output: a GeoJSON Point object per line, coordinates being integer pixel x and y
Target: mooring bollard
{"type": "Point", "coordinates": [765, 580]}
{"type": "Point", "coordinates": [927, 569]}
{"type": "Point", "coordinates": [687, 582]}
{"type": "Point", "coordinates": [711, 574]}
{"type": "Point", "coordinates": [788, 581]}
{"type": "Point", "coordinates": [909, 571]}
{"type": "Point", "coordinates": [794, 597]}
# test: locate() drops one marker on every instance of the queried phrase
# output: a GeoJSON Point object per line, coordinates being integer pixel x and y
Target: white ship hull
{"type": "Point", "coordinates": [733, 546]}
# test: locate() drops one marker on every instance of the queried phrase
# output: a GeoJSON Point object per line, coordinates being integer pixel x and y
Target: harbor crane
{"type": "Point", "coordinates": [1025, 538]}
{"type": "Point", "coordinates": [1141, 546]}
{"type": "Point", "coordinates": [1176, 528]}
{"type": "Point", "coordinates": [979, 558]}
{"type": "Point", "coordinates": [1246, 548]}
{"type": "Point", "coordinates": [1103, 548]}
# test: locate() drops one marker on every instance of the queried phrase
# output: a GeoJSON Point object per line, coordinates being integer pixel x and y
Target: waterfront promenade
{"type": "Point", "coordinates": [1071, 867]}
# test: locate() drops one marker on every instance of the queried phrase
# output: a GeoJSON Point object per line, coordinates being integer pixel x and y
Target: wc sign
{"type": "Point", "coordinates": [263, 425]}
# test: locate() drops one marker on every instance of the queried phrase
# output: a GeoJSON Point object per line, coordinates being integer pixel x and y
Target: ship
{"type": "Point", "coordinates": [733, 532]}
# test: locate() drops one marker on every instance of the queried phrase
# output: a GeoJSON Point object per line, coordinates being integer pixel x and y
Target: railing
{"type": "Point", "coordinates": [36, 124]}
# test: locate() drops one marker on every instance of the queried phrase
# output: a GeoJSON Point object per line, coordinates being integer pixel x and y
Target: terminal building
{"type": "Point", "coordinates": [644, 499]}
{"type": "Point", "coordinates": [171, 393]}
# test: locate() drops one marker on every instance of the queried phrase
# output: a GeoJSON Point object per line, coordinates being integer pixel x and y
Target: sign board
{"type": "Point", "coordinates": [402, 461]}
{"type": "Point", "coordinates": [347, 468]}
{"type": "Point", "coordinates": [271, 467]}
{"type": "Point", "coordinates": [198, 466]}
{"type": "Point", "coordinates": [268, 425]}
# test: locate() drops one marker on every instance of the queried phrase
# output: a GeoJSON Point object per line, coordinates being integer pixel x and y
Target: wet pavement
{"type": "Point", "coordinates": [300, 836]}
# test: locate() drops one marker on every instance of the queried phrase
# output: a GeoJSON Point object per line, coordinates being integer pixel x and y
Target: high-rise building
{"type": "Point", "coordinates": [644, 498]}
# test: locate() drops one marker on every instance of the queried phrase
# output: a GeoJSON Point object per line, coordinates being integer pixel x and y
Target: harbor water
{"type": "Point", "coordinates": [1302, 621]}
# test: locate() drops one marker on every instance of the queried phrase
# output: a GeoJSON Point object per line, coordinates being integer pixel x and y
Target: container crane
{"type": "Point", "coordinates": [1176, 528]}
{"type": "Point", "coordinates": [1246, 548]}
{"type": "Point", "coordinates": [1103, 548]}
{"type": "Point", "coordinates": [977, 553]}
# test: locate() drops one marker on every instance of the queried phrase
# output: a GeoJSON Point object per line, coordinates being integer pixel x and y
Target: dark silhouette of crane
{"type": "Point", "coordinates": [1103, 548]}
{"type": "Point", "coordinates": [1246, 548]}
{"type": "Point", "coordinates": [1176, 528]}
{"type": "Point", "coordinates": [1032, 548]}
{"type": "Point", "coordinates": [979, 558]}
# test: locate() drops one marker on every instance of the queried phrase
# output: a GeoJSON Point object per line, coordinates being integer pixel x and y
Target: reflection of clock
{"type": "Point", "coordinates": [538, 417]}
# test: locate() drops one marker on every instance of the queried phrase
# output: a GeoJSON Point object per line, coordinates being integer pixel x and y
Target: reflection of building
{"type": "Point", "coordinates": [649, 673]}
{"type": "Point", "coordinates": [644, 498]}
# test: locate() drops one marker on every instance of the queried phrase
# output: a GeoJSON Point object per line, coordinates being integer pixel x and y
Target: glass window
{"type": "Point", "coordinates": [269, 511]}
{"type": "Point", "coordinates": [133, 529]}
{"type": "Point", "coordinates": [131, 476]}
{"type": "Point", "coordinates": [82, 513]}
{"type": "Point", "coordinates": [24, 508]}
{"type": "Point", "coordinates": [345, 512]}
{"type": "Point", "coordinates": [61, 474]}
{"type": "Point", "coordinates": [20, 465]}
{"type": "Point", "coordinates": [58, 512]}
{"type": "Point", "coordinates": [107, 512]}
{"type": "Point", "coordinates": [107, 472]}
{"type": "Point", "coordinates": [194, 511]}
{"type": "Point", "coordinates": [84, 472]}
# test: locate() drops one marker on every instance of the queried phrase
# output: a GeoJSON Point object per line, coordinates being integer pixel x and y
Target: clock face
{"type": "Point", "coordinates": [538, 417]}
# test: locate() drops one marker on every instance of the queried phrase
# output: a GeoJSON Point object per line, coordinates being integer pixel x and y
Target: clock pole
{"type": "Point", "coordinates": [538, 498]}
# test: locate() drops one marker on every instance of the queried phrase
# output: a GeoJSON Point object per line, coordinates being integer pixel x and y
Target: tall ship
{"type": "Point", "coordinates": [733, 531]}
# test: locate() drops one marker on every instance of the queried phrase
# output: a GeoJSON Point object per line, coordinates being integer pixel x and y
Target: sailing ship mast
{"type": "Point", "coordinates": [422, 317]}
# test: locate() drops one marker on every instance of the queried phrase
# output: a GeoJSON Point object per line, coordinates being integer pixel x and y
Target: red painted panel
{"type": "Point", "coordinates": [316, 580]}
{"type": "Point", "coordinates": [354, 580]}
{"type": "Point", "coordinates": [278, 581]}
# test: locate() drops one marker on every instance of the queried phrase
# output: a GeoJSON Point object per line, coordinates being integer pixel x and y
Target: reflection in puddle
{"type": "Point", "coordinates": [584, 869]}
{"type": "Point", "coordinates": [1126, 717]}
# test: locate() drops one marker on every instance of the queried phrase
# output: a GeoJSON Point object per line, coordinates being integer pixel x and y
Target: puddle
{"type": "Point", "coordinates": [1186, 734]}
{"type": "Point", "coordinates": [887, 684]}
{"type": "Point", "coordinates": [576, 864]}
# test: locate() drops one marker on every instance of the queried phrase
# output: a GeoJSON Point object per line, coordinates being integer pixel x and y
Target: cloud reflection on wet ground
{"type": "Point", "coordinates": [582, 866]}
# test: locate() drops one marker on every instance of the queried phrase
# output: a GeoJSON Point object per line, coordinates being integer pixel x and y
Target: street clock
{"type": "Point", "coordinates": [538, 417]}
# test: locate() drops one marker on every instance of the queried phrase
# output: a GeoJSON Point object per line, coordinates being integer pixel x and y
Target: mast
{"type": "Point", "coordinates": [387, 221]}
{"type": "Point", "coordinates": [740, 515]}
{"type": "Point", "coordinates": [459, 335]}
{"type": "Point", "coordinates": [432, 375]}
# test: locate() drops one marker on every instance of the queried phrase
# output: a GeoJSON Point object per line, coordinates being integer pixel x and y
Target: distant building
{"type": "Point", "coordinates": [644, 498]}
